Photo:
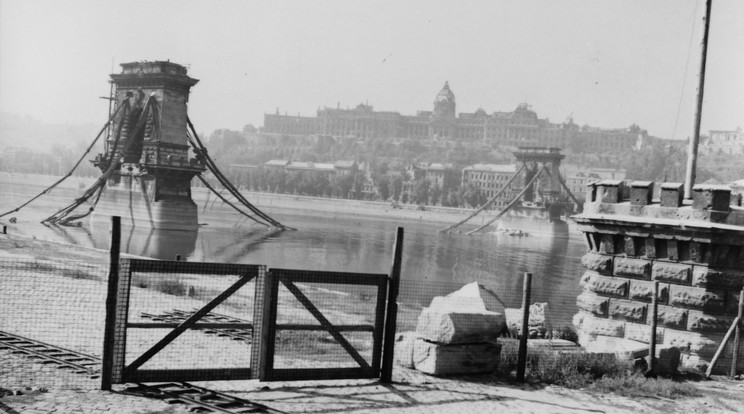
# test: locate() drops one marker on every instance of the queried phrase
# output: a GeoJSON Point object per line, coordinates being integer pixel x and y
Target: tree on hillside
{"type": "Point", "coordinates": [397, 187]}
{"type": "Point", "coordinates": [421, 191]}
{"type": "Point", "coordinates": [383, 186]}
{"type": "Point", "coordinates": [434, 194]}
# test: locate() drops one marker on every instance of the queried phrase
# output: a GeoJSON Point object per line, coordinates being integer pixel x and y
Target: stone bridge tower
{"type": "Point", "coordinates": [151, 184]}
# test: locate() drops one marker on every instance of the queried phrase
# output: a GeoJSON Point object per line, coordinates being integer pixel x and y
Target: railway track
{"type": "Point", "coordinates": [178, 316]}
{"type": "Point", "coordinates": [201, 399]}
{"type": "Point", "coordinates": [45, 353]}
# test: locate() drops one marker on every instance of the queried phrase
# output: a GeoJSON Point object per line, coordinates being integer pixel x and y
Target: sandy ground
{"type": "Point", "coordinates": [68, 311]}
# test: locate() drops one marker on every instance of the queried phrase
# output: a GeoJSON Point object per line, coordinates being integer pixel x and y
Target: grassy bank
{"type": "Point", "coordinates": [601, 373]}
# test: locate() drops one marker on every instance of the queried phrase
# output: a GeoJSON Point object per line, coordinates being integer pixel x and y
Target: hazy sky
{"type": "Point", "coordinates": [609, 63]}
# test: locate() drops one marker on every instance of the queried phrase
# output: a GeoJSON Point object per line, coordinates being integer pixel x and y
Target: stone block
{"type": "Point", "coordinates": [711, 197]}
{"type": "Point", "coordinates": [437, 359]}
{"type": "Point", "coordinates": [697, 298]}
{"type": "Point", "coordinates": [599, 263]}
{"type": "Point", "coordinates": [700, 322]}
{"type": "Point", "coordinates": [705, 345]}
{"type": "Point", "coordinates": [696, 251]}
{"type": "Point", "coordinates": [622, 348]}
{"type": "Point", "coordinates": [593, 304]}
{"type": "Point", "coordinates": [610, 191]}
{"type": "Point", "coordinates": [644, 291]}
{"type": "Point", "coordinates": [607, 244]}
{"type": "Point", "coordinates": [641, 192]}
{"type": "Point", "coordinates": [539, 325]}
{"type": "Point", "coordinates": [604, 285]}
{"type": "Point", "coordinates": [636, 268]}
{"type": "Point", "coordinates": [474, 297]}
{"type": "Point", "coordinates": [649, 247]}
{"type": "Point", "coordinates": [633, 246]}
{"type": "Point", "coordinates": [404, 343]}
{"type": "Point", "coordinates": [671, 317]}
{"type": "Point", "coordinates": [671, 194]}
{"type": "Point", "coordinates": [642, 333]}
{"type": "Point", "coordinates": [592, 326]}
{"type": "Point", "coordinates": [671, 272]}
{"type": "Point", "coordinates": [452, 327]}
{"type": "Point", "coordinates": [672, 250]}
{"type": "Point", "coordinates": [703, 276]}
{"type": "Point", "coordinates": [628, 310]}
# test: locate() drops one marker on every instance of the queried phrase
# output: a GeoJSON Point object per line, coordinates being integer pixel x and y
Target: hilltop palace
{"type": "Point", "coordinates": [521, 127]}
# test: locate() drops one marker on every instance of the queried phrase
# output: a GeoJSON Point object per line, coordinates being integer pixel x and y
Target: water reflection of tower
{"type": "Point", "coordinates": [147, 242]}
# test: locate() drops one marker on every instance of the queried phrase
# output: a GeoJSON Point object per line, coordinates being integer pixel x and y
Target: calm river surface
{"type": "Point", "coordinates": [434, 264]}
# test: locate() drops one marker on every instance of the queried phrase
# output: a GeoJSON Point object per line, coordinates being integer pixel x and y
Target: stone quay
{"type": "Point", "coordinates": [693, 248]}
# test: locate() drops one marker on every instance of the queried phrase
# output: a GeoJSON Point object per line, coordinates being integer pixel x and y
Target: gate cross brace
{"type": "Point", "coordinates": [326, 324]}
{"type": "Point", "coordinates": [188, 323]}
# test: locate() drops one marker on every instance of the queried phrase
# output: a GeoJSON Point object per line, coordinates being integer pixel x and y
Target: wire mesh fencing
{"type": "Point", "coordinates": [52, 317]}
{"type": "Point", "coordinates": [51, 322]}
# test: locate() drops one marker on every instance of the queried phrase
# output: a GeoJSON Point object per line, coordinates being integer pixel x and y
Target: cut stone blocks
{"type": "Point", "coordinates": [599, 263]}
{"type": "Point", "coordinates": [671, 272]}
{"type": "Point", "coordinates": [457, 333]}
{"type": "Point", "coordinates": [454, 327]}
{"type": "Point", "coordinates": [604, 285]}
{"type": "Point", "coordinates": [539, 325]}
{"type": "Point", "coordinates": [711, 197]}
{"type": "Point", "coordinates": [638, 268]}
{"type": "Point", "coordinates": [463, 316]}
{"type": "Point", "coordinates": [438, 359]}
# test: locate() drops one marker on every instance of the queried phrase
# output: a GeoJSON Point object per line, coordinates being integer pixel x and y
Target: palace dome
{"type": "Point", "coordinates": [445, 95]}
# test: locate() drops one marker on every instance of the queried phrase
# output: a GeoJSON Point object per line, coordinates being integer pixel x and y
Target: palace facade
{"type": "Point", "coordinates": [520, 127]}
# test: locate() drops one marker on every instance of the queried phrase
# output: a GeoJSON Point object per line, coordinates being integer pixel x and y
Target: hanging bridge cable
{"type": "Point", "coordinates": [101, 181]}
{"type": "Point", "coordinates": [66, 220]}
{"type": "Point", "coordinates": [486, 204]}
{"type": "Point", "coordinates": [511, 204]}
{"type": "Point", "coordinates": [201, 150]}
{"type": "Point", "coordinates": [203, 180]}
{"type": "Point", "coordinates": [117, 136]}
{"type": "Point", "coordinates": [223, 181]}
{"type": "Point", "coordinates": [58, 182]}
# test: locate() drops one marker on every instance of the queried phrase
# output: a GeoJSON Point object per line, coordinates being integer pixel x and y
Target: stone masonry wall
{"type": "Point", "coordinates": [694, 249]}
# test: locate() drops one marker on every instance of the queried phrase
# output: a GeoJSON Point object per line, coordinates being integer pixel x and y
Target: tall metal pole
{"type": "Point", "coordinates": [692, 148]}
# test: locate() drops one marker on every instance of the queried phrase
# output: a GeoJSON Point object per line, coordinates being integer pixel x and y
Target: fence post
{"type": "Point", "coordinates": [737, 335]}
{"type": "Point", "coordinates": [107, 360]}
{"type": "Point", "coordinates": [388, 346]}
{"type": "Point", "coordinates": [522, 356]}
{"type": "Point", "coordinates": [652, 343]}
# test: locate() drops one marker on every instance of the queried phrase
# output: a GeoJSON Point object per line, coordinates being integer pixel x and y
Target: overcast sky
{"type": "Point", "coordinates": [609, 63]}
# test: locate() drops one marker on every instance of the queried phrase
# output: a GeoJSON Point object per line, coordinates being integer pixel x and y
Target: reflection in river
{"type": "Point", "coordinates": [434, 263]}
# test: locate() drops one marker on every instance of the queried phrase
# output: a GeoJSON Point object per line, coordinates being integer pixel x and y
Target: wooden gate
{"type": "Point", "coordinates": [115, 368]}
{"type": "Point", "coordinates": [364, 295]}
{"type": "Point", "coordinates": [292, 280]}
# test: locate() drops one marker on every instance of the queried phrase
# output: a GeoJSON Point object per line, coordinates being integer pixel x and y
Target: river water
{"type": "Point", "coordinates": [434, 264]}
